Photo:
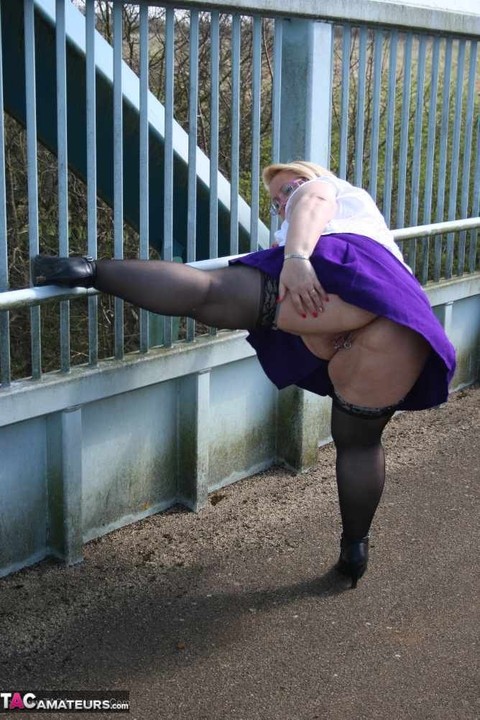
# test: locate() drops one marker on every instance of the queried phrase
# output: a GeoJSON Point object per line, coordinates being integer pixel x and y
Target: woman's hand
{"type": "Point", "coordinates": [307, 211]}
{"type": "Point", "coordinates": [298, 278]}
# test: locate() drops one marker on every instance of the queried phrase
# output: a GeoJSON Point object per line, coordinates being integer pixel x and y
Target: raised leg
{"type": "Point", "coordinates": [225, 298]}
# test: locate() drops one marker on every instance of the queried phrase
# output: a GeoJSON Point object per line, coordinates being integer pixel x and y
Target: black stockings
{"type": "Point", "coordinates": [360, 468]}
{"type": "Point", "coordinates": [225, 298]}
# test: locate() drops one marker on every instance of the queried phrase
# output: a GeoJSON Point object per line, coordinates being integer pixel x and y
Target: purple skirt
{"type": "Point", "coordinates": [364, 273]}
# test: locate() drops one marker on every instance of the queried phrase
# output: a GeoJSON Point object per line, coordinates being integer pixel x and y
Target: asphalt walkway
{"type": "Point", "coordinates": [236, 614]}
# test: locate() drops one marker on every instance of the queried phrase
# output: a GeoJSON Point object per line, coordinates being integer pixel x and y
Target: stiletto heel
{"type": "Point", "coordinates": [353, 559]}
{"type": "Point", "coordinates": [66, 271]}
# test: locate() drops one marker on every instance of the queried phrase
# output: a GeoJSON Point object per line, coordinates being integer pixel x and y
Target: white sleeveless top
{"type": "Point", "coordinates": [356, 213]}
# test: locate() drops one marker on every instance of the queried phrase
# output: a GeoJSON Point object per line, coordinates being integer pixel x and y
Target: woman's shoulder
{"type": "Point", "coordinates": [329, 181]}
{"type": "Point", "coordinates": [342, 187]}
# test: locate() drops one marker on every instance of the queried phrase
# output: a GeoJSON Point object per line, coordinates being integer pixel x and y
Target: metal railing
{"type": "Point", "coordinates": [42, 295]}
{"type": "Point", "coordinates": [364, 90]}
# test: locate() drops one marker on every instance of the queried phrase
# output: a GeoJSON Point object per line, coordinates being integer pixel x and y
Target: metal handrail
{"type": "Point", "coordinates": [27, 297]}
{"type": "Point", "coordinates": [436, 228]}
{"type": "Point", "coordinates": [357, 11]}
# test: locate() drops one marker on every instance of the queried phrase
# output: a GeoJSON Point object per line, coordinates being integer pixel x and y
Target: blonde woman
{"type": "Point", "coordinates": [333, 309]}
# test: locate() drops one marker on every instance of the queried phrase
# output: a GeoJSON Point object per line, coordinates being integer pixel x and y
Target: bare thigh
{"type": "Point", "coordinates": [337, 317]}
{"type": "Point", "coordinates": [322, 335]}
{"type": "Point", "coordinates": [381, 366]}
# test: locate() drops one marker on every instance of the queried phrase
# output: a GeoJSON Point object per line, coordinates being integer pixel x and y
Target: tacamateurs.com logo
{"type": "Point", "coordinates": [67, 701]}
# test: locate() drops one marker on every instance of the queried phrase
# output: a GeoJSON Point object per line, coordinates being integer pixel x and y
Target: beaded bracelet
{"type": "Point", "coordinates": [290, 256]}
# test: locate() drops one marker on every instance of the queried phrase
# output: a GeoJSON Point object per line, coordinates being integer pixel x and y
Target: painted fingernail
{"type": "Point", "coordinates": [304, 316]}
{"type": "Point", "coordinates": [315, 314]}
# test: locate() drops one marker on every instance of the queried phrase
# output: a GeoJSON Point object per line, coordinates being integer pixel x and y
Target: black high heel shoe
{"type": "Point", "coordinates": [353, 559]}
{"type": "Point", "coordinates": [65, 271]}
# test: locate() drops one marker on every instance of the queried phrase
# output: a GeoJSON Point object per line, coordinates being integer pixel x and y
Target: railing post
{"type": "Point", "coordinates": [64, 481]}
{"type": "Point", "coordinates": [302, 419]}
{"type": "Point", "coordinates": [193, 440]}
{"type": "Point", "coordinates": [304, 134]}
{"type": "Point", "coordinates": [307, 48]}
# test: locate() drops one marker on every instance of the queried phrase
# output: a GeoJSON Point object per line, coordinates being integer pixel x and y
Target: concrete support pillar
{"type": "Point", "coordinates": [64, 480]}
{"type": "Point", "coordinates": [446, 315]}
{"type": "Point", "coordinates": [193, 440]}
{"type": "Point", "coordinates": [302, 419]}
{"type": "Point", "coordinates": [307, 48]}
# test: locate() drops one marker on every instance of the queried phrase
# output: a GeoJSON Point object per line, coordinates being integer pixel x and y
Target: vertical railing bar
{"type": "Point", "coordinates": [329, 93]}
{"type": "Point", "coordinates": [377, 89]}
{"type": "Point", "coordinates": [62, 156]}
{"type": "Point", "coordinates": [417, 130]}
{"type": "Point", "coordinates": [344, 105]}
{"type": "Point", "coordinates": [455, 158]}
{"type": "Point", "coordinates": [256, 109]}
{"type": "Point", "coordinates": [442, 168]}
{"type": "Point", "coordinates": [404, 133]}
{"type": "Point", "coordinates": [5, 363]}
{"type": "Point", "coordinates": [430, 156]}
{"type": "Point", "coordinates": [392, 79]}
{"type": "Point", "coordinates": [472, 254]}
{"type": "Point", "coordinates": [360, 121]}
{"type": "Point", "coordinates": [214, 135]}
{"type": "Point", "coordinates": [431, 134]}
{"type": "Point", "coordinates": [144, 163]}
{"type": "Point", "coordinates": [276, 105]}
{"type": "Point", "coordinates": [192, 150]}
{"type": "Point", "coordinates": [417, 153]}
{"type": "Point", "coordinates": [214, 130]}
{"type": "Point", "coordinates": [442, 163]}
{"type": "Point", "coordinates": [168, 171]}
{"type": "Point", "coordinates": [118, 166]}
{"type": "Point", "coordinates": [404, 145]}
{"type": "Point", "coordinates": [277, 89]}
{"type": "Point", "coordinates": [32, 173]}
{"type": "Point", "coordinates": [462, 242]}
{"type": "Point", "coordinates": [62, 170]}
{"type": "Point", "coordinates": [91, 108]}
{"type": "Point", "coordinates": [235, 140]}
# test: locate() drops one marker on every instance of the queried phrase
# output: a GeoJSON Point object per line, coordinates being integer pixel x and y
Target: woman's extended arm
{"type": "Point", "coordinates": [310, 209]}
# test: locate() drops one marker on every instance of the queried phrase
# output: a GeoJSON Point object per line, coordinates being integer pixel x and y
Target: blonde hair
{"type": "Point", "coordinates": [303, 168]}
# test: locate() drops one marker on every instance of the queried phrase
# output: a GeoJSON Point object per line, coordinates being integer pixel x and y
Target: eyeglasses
{"type": "Point", "coordinates": [286, 190]}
